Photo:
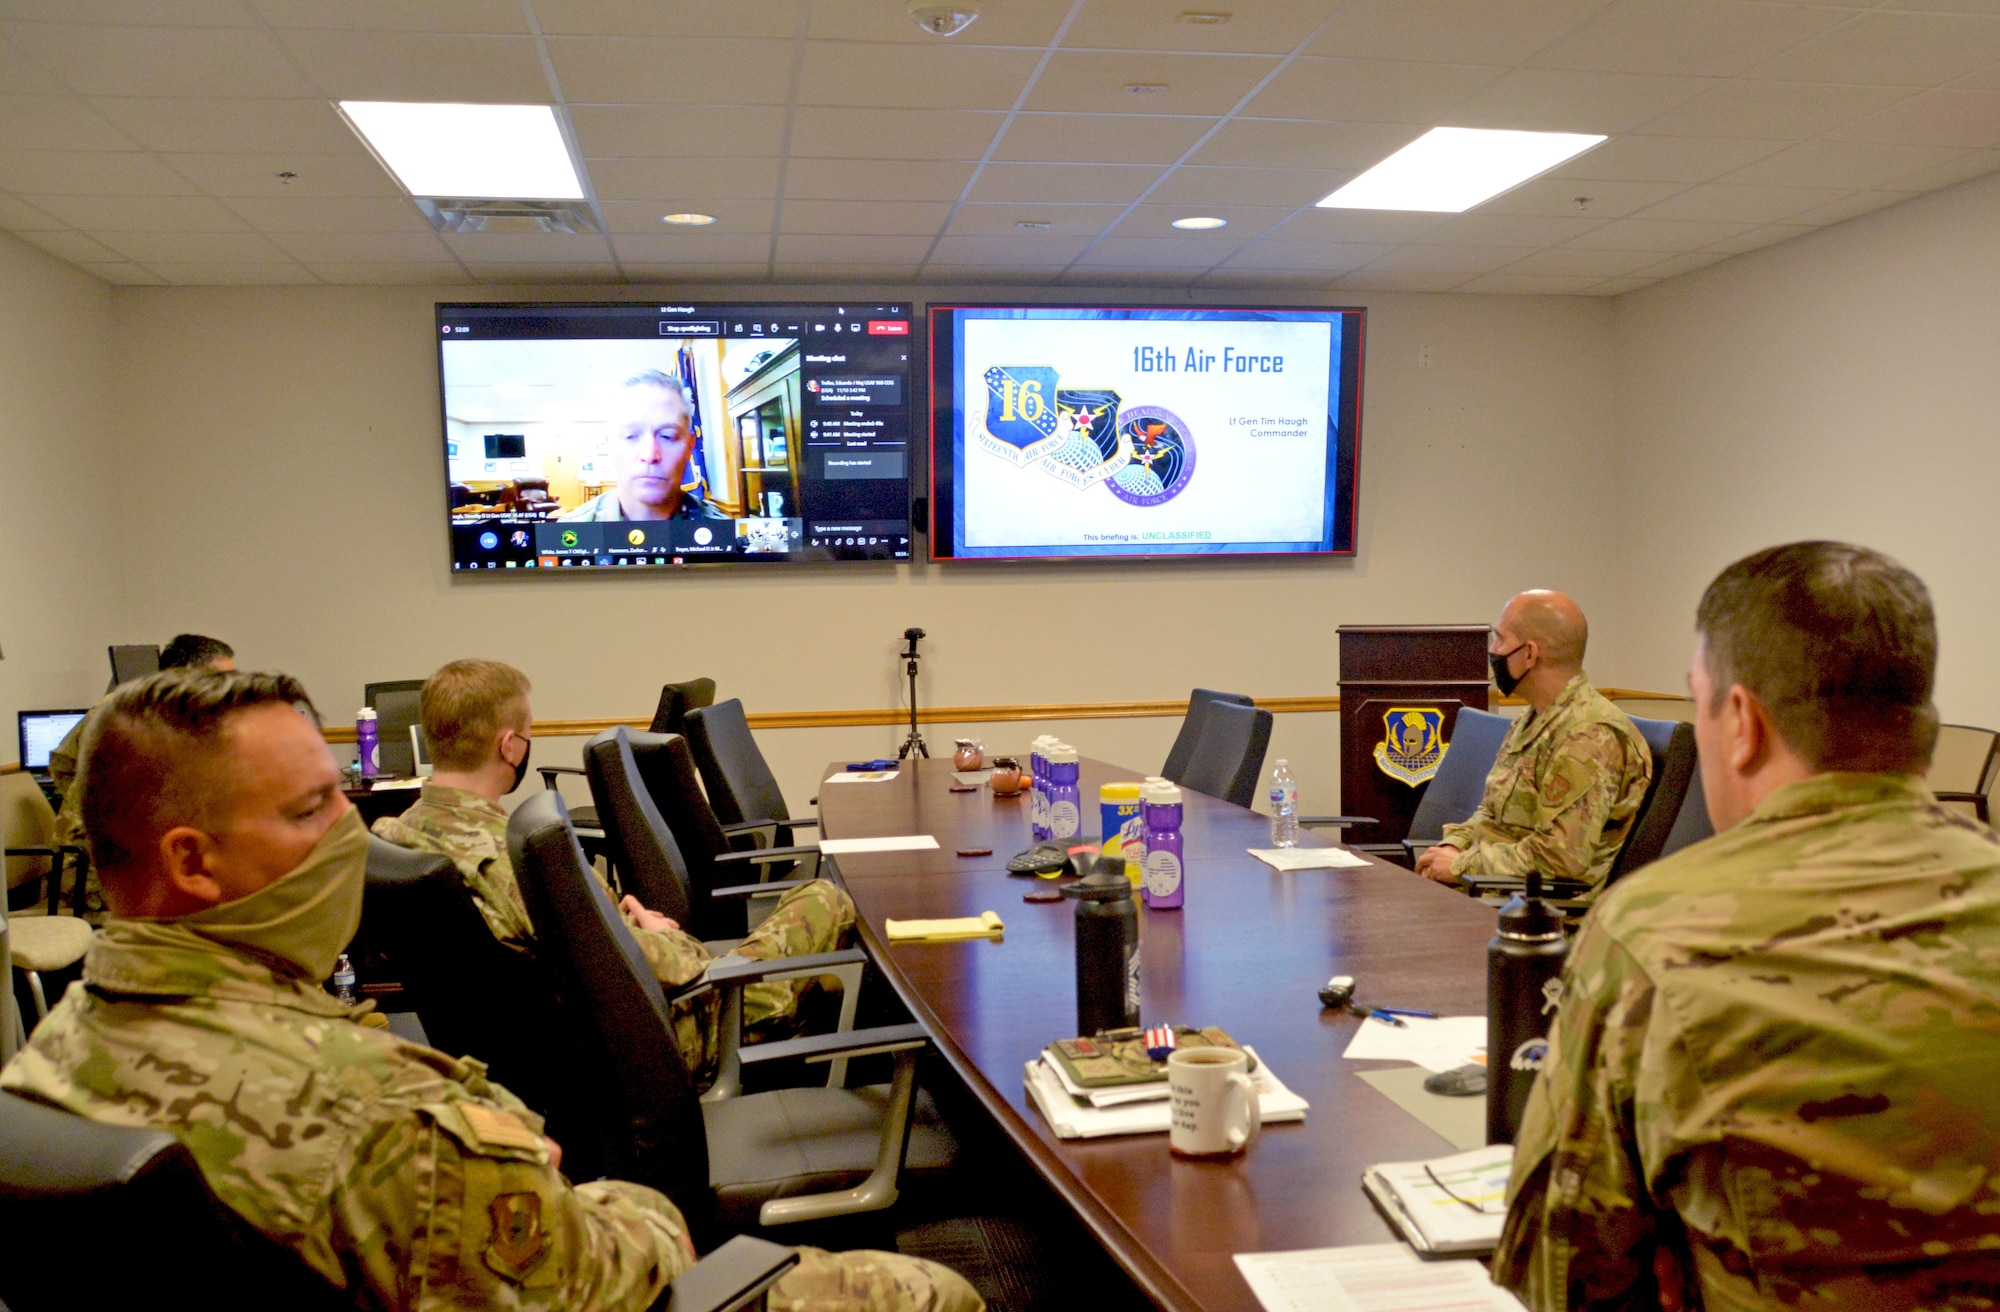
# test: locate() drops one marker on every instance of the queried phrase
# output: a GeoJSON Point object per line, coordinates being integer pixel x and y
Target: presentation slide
{"type": "Point", "coordinates": [1083, 432]}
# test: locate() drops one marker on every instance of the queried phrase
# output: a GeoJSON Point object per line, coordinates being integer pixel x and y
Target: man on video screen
{"type": "Point", "coordinates": [652, 442]}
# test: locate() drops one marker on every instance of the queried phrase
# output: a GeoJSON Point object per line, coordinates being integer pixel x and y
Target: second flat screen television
{"type": "Point", "coordinates": [1100, 431]}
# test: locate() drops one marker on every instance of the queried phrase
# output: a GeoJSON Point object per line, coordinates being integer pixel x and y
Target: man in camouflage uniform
{"type": "Point", "coordinates": [476, 717]}
{"type": "Point", "coordinates": [1571, 773]}
{"type": "Point", "coordinates": [234, 867]}
{"type": "Point", "coordinates": [1772, 1080]}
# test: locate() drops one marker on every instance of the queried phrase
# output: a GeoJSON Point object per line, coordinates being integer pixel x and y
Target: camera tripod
{"type": "Point", "coordinates": [910, 656]}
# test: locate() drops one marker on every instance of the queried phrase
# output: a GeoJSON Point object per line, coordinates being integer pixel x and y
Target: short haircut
{"type": "Point", "coordinates": [153, 756]}
{"type": "Point", "coordinates": [1838, 642]}
{"type": "Point", "coordinates": [193, 650]}
{"type": "Point", "coordinates": [465, 704]}
{"type": "Point", "coordinates": [666, 382]}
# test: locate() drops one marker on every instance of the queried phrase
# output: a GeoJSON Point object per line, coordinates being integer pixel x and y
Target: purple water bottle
{"type": "Point", "coordinates": [1038, 788]}
{"type": "Point", "coordinates": [366, 743]}
{"type": "Point", "coordinates": [1146, 835]}
{"type": "Point", "coordinates": [1165, 887]}
{"type": "Point", "coordinates": [1065, 804]}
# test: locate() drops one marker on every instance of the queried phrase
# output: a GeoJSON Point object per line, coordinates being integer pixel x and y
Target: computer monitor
{"type": "Point", "coordinates": [133, 660]}
{"type": "Point", "coordinates": [41, 733]}
{"type": "Point", "coordinates": [420, 751]}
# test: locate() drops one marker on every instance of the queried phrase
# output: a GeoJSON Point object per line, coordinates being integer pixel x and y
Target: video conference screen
{"type": "Point", "coordinates": [1077, 431]}
{"type": "Point", "coordinates": [595, 435]}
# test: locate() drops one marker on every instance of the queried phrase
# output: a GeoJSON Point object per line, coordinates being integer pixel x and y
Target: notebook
{"type": "Point", "coordinates": [1448, 1205]}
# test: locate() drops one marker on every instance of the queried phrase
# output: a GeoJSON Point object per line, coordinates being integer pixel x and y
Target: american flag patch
{"type": "Point", "coordinates": [1159, 1042]}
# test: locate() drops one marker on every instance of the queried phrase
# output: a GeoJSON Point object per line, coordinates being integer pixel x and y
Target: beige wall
{"type": "Point", "coordinates": [59, 598]}
{"type": "Point", "coordinates": [281, 479]}
{"type": "Point", "coordinates": [1846, 385]}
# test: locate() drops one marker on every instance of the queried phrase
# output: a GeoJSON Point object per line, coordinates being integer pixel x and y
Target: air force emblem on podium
{"type": "Point", "coordinates": [1412, 743]}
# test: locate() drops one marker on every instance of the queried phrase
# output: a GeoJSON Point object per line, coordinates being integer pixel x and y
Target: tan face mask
{"type": "Point", "coordinates": [309, 915]}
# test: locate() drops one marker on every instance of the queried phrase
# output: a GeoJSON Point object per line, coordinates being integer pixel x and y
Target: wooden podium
{"type": "Point", "coordinates": [1400, 690]}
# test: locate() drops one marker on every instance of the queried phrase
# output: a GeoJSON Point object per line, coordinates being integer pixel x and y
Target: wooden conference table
{"type": "Point", "coordinates": [1248, 952]}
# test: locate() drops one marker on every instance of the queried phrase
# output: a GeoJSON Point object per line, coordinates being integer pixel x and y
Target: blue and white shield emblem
{"type": "Point", "coordinates": [1021, 408]}
{"type": "Point", "coordinates": [1412, 743]}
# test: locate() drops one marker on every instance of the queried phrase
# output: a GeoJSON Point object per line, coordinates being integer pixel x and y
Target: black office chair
{"type": "Point", "coordinates": [1230, 753]}
{"type": "Point", "coordinates": [395, 705]}
{"type": "Point", "coordinates": [740, 784]}
{"type": "Point", "coordinates": [133, 660]}
{"type": "Point", "coordinates": [474, 996]}
{"type": "Point", "coordinates": [1692, 824]}
{"type": "Point", "coordinates": [676, 700]}
{"type": "Point", "coordinates": [1183, 749]}
{"type": "Point", "coordinates": [1455, 791]}
{"type": "Point", "coordinates": [775, 1158]}
{"type": "Point", "coordinates": [67, 1183]}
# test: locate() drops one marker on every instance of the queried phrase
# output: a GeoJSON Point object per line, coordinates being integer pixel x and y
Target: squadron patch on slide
{"type": "Point", "coordinates": [1412, 743]}
{"type": "Point", "coordinates": [1078, 436]}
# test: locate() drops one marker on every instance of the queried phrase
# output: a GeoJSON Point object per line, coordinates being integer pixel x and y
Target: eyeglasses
{"type": "Point", "coordinates": [1481, 1208]}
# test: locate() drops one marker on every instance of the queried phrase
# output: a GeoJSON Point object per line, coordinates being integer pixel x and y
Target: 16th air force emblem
{"type": "Point", "coordinates": [1412, 743]}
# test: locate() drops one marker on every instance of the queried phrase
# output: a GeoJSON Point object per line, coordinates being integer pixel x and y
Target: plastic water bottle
{"type": "Point", "coordinates": [1165, 885]}
{"type": "Point", "coordinates": [1065, 805]}
{"type": "Point", "coordinates": [343, 981]}
{"type": "Point", "coordinates": [367, 743]}
{"type": "Point", "coordinates": [1145, 836]}
{"type": "Point", "coordinates": [1284, 807]}
{"type": "Point", "coordinates": [1038, 788]}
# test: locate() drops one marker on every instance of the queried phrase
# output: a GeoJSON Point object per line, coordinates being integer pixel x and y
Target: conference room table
{"type": "Point", "coordinates": [1248, 952]}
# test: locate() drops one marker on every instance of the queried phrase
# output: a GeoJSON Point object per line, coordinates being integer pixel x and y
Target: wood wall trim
{"type": "Point", "coordinates": [972, 714]}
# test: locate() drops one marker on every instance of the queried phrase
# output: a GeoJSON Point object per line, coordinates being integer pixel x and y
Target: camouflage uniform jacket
{"type": "Point", "coordinates": [1562, 794]}
{"type": "Point", "coordinates": [1773, 1075]}
{"type": "Point", "coordinates": [397, 1173]}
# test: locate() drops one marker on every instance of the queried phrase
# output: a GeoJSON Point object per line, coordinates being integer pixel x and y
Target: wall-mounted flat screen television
{"type": "Point", "coordinates": [1081, 431]}
{"type": "Point", "coordinates": [612, 435]}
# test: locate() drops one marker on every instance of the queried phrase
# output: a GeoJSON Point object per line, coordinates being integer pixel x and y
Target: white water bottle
{"type": "Point", "coordinates": [1284, 807]}
{"type": "Point", "coordinates": [343, 981]}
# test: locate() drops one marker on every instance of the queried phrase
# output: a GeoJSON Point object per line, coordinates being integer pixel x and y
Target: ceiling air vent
{"type": "Point", "coordinates": [463, 215]}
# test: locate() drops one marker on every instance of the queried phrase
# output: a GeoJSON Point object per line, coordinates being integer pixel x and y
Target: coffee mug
{"type": "Point", "coordinates": [1213, 1102]}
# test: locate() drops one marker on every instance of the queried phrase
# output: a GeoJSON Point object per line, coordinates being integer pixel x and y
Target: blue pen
{"type": "Point", "coordinates": [1418, 1012]}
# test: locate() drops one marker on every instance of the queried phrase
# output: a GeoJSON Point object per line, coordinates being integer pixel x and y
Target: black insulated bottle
{"type": "Point", "coordinates": [1107, 949]}
{"type": "Point", "coordinates": [1523, 965]}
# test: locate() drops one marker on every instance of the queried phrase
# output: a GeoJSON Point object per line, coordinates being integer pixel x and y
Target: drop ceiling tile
{"type": "Point", "coordinates": [1893, 49]}
{"type": "Point", "coordinates": [1393, 227]}
{"type": "Point", "coordinates": [693, 247]}
{"type": "Point", "coordinates": [797, 248]}
{"type": "Point", "coordinates": [1559, 196]}
{"type": "Point", "coordinates": [56, 123]}
{"type": "Point", "coordinates": [1852, 205]}
{"type": "Point", "coordinates": [1303, 257]}
{"type": "Point", "coordinates": [71, 246]}
{"type": "Point", "coordinates": [1063, 220]}
{"type": "Point", "coordinates": [1480, 229]}
{"type": "Point", "coordinates": [865, 217]}
{"type": "Point", "coordinates": [1370, 90]}
{"type": "Point", "coordinates": [155, 248]}
{"type": "Point", "coordinates": [384, 275]}
{"type": "Point", "coordinates": [1619, 286]}
{"type": "Point", "coordinates": [1722, 202]}
{"type": "Point", "coordinates": [1561, 100]}
{"type": "Point", "coordinates": [1675, 265]}
{"type": "Point", "coordinates": [528, 248]}
{"type": "Point", "coordinates": [678, 131]}
{"type": "Point", "coordinates": [1450, 31]}
{"type": "Point", "coordinates": [354, 174]}
{"type": "Point", "coordinates": [1972, 164]}
{"type": "Point", "coordinates": [1076, 183]}
{"type": "Point", "coordinates": [1702, 38]}
{"type": "Point", "coordinates": [1510, 283]}
{"type": "Point", "coordinates": [502, 70]}
{"type": "Point", "coordinates": [982, 274]}
{"type": "Point", "coordinates": [1042, 250]}
{"type": "Point", "coordinates": [1462, 260]}
{"type": "Point", "coordinates": [1289, 144]}
{"type": "Point", "coordinates": [1159, 253]}
{"type": "Point", "coordinates": [1582, 261]}
{"type": "Point", "coordinates": [495, 17]}
{"type": "Point", "coordinates": [864, 179]}
{"type": "Point", "coordinates": [1986, 79]}
{"type": "Point", "coordinates": [205, 125]}
{"type": "Point", "coordinates": [845, 275]}
{"type": "Point", "coordinates": [826, 132]}
{"type": "Point", "coordinates": [1661, 235]}
{"type": "Point", "coordinates": [1768, 235]}
{"type": "Point", "coordinates": [89, 173]}
{"type": "Point", "coordinates": [1667, 159]}
{"type": "Point", "coordinates": [123, 273]}
{"type": "Point", "coordinates": [159, 61]}
{"type": "Point", "coordinates": [1154, 25]}
{"type": "Point", "coordinates": [692, 180]}
{"type": "Point", "coordinates": [1946, 117]}
{"type": "Point", "coordinates": [1396, 280]}
{"type": "Point", "coordinates": [1017, 23]}
{"type": "Point", "coordinates": [185, 13]}
{"type": "Point", "coordinates": [289, 213]}
{"type": "Point", "coordinates": [912, 77]}
{"type": "Point", "coordinates": [753, 215]}
{"type": "Point", "coordinates": [1772, 110]}
{"type": "Point", "coordinates": [1100, 138]}
{"type": "Point", "coordinates": [527, 275]}
{"type": "Point", "coordinates": [1137, 275]}
{"type": "Point", "coordinates": [1094, 82]}
{"type": "Point", "coordinates": [22, 77]}
{"type": "Point", "coordinates": [140, 213]}
{"type": "Point", "coordinates": [772, 19]}
{"type": "Point", "coordinates": [363, 247]}
{"type": "Point", "coordinates": [16, 215]}
{"type": "Point", "coordinates": [690, 71]}
{"type": "Point", "coordinates": [668, 274]}
{"type": "Point", "coordinates": [1193, 184]}
{"type": "Point", "coordinates": [1245, 221]}
{"type": "Point", "coordinates": [1840, 164]}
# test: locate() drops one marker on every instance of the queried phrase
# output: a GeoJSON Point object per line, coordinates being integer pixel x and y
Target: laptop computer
{"type": "Point", "coordinates": [41, 733]}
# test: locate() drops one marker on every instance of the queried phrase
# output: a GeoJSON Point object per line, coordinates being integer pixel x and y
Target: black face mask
{"type": "Point", "coordinates": [521, 770]}
{"type": "Point", "coordinates": [1502, 680]}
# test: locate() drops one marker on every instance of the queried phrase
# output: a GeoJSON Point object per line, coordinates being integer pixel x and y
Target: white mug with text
{"type": "Point", "coordinates": [1213, 1102]}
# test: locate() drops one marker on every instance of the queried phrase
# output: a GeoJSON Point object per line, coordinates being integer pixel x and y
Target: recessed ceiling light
{"type": "Point", "coordinates": [1034, 225]}
{"type": "Point", "coordinates": [688, 220]}
{"type": "Point", "coordinates": [512, 151]}
{"type": "Point", "coordinates": [1449, 170]}
{"type": "Point", "coordinates": [1203, 18]}
{"type": "Point", "coordinates": [1201, 222]}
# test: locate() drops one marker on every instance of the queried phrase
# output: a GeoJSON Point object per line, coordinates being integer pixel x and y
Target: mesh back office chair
{"type": "Point", "coordinates": [133, 660]}
{"type": "Point", "coordinates": [1185, 742]}
{"type": "Point", "coordinates": [395, 705]}
{"type": "Point", "coordinates": [1455, 791]}
{"type": "Point", "coordinates": [740, 784]}
{"type": "Point", "coordinates": [1963, 766]}
{"type": "Point", "coordinates": [768, 1159]}
{"type": "Point", "coordinates": [1230, 753]}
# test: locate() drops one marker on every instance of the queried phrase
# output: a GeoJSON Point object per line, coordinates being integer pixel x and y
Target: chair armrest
{"type": "Point", "coordinates": [1551, 888]}
{"type": "Point", "coordinates": [734, 1276]}
{"type": "Point", "coordinates": [764, 831]}
{"type": "Point", "coordinates": [549, 773]}
{"type": "Point", "coordinates": [749, 972]}
{"type": "Point", "coordinates": [1416, 845]}
{"type": "Point", "coordinates": [854, 1043]}
{"type": "Point", "coordinates": [1336, 821]}
{"type": "Point", "coordinates": [775, 888]}
{"type": "Point", "coordinates": [765, 856]}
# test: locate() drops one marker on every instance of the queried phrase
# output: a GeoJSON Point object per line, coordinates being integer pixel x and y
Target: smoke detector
{"type": "Point", "coordinates": [941, 20]}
